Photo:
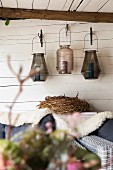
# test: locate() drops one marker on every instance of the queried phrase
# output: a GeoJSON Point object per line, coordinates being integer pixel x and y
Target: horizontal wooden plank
{"type": "Point", "coordinates": [55, 15]}
{"type": "Point", "coordinates": [92, 6]}
{"type": "Point", "coordinates": [43, 89]}
{"type": "Point", "coordinates": [9, 3]}
{"type": "Point", "coordinates": [54, 79]}
{"type": "Point", "coordinates": [56, 5]}
{"type": "Point", "coordinates": [19, 107]}
{"type": "Point", "coordinates": [26, 4]}
{"type": "Point", "coordinates": [75, 4]}
{"type": "Point", "coordinates": [99, 105]}
{"type": "Point", "coordinates": [66, 5]}
{"type": "Point", "coordinates": [107, 7]}
{"type": "Point", "coordinates": [40, 4]}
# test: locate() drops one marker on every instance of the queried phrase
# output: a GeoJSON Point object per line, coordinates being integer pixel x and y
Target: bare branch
{"type": "Point", "coordinates": [21, 82]}
{"type": "Point", "coordinates": [9, 65]}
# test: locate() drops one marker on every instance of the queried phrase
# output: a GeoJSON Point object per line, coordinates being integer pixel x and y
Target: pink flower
{"type": "Point", "coordinates": [7, 164]}
{"type": "Point", "coordinates": [49, 127]}
{"type": "Point", "coordinates": [2, 163]}
{"type": "Point", "coordinates": [76, 165]}
{"type": "Point", "coordinates": [73, 119]}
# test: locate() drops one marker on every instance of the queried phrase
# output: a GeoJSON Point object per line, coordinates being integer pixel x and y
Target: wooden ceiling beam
{"type": "Point", "coordinates": [17, 13]}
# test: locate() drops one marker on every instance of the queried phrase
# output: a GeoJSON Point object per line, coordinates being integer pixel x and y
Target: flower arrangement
{"type": "Point", "coordinates": [37, 150]}
{"type": "Point", "coordinates": [42, 150]}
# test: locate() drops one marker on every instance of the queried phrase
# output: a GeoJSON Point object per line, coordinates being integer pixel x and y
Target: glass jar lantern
{"type": "Point", "coordinates": [64, 58]}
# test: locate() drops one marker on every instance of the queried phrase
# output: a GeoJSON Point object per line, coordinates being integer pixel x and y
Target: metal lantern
{"type": "Point", "coordinates": [64, 58]}
{"type": "Point", "coordinates": [39, 64]}
{"type": "Point", "coordinates": [91, 68]}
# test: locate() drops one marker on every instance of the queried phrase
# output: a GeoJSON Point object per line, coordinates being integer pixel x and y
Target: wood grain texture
{"type": "Point", "coordinates": [56, 15]}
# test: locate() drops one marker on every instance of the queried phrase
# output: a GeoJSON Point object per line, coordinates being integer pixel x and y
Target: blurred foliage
{"type": "Point", "coordinates": [38, 151]}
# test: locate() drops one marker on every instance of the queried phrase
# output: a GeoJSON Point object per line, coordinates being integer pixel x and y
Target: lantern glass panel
{"type": "Point", "coordinates": [40, 67]}
{"type": "Point", "coordinates": [91, 68]}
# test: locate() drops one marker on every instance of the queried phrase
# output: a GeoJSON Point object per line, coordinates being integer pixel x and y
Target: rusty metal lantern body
{"type": "Point", "coordinates": [64, 58]}
{"type": "Point", "coordinates": [39, 64]}
{"type": "Point", "coordinates": [91, 68]}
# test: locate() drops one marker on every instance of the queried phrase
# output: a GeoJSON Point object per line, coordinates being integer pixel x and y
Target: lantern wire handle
{"type": "Point", "coordinates": [67, 30]}
{"type": "Point", "coordinates": [33, 41]}
{"type": "Point", "coordinates": [91, 39]}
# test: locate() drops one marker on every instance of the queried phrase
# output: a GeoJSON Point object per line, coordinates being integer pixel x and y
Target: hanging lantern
{"type": "Point", "coordinates": [91, 68]}
{"type": "Point", "coordinates": [40, 67]}
{"type": "Point", "coordinates": [64, 57]}
{"type": "Point", "coordinates": [39, 64]}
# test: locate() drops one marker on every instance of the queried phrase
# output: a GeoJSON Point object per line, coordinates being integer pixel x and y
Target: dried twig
{"type": "Point", "coordinates": [21, 82]}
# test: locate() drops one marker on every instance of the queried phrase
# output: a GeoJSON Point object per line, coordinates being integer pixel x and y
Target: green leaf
{"type": "Point", "coordinates": [7, 22]}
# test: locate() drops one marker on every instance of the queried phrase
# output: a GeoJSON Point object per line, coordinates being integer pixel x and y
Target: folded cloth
{"type": "Point", "coordinates": [34, 117]}
{"type": "Point", "coordinates": [93, 123]}
{"type": "Point", "coordinates": [102, 147]}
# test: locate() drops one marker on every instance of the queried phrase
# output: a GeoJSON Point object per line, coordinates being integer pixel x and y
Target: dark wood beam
{"type": "Point", "coordinates": [56, 15]}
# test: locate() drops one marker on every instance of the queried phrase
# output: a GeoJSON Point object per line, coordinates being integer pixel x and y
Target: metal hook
{"type": "Point", "coordinates": [48, 4]}
{"type": "Point", "coordinates": [91, 36]}
{"type": "Point", "coordinates": [67, 28]}
{"type": "Point", "coordinates": [17, 3]}
{"type": "Point", "coordinates": [32, 4]}
{"type": "Point", "coordinates": [41, 38]}
{"type": "Point", "coordinates": [1, 3]}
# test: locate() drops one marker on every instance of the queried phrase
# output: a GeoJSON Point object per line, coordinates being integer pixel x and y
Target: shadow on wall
{"type": "Point", "coordinates": [93, 109]}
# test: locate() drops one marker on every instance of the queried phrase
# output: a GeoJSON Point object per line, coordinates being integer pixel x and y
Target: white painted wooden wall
{"type": "Point", "coordinates": [16, 41]}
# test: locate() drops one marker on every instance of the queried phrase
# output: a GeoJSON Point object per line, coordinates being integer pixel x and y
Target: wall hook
{"type": "Point", "coordinates": [41, 38]}
{"type": "Point", "coordinates": [91, 36]}
{"type": "Point", "coordinates": [67, 28]}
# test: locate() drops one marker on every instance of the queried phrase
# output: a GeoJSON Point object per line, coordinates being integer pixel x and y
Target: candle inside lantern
{"type": "Point", "coordinates": [91, 70]}
{"type": "Point", "coordinates": [37, 75]}
{"type": "Point", "coordinates": [64, 65]}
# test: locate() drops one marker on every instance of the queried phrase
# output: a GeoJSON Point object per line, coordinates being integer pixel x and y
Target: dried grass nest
{"type": "Point", "coordinates": [64, 104]}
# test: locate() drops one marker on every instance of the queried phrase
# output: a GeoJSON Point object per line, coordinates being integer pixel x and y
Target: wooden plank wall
{"type": "Point", "coordinates": [16, 41]}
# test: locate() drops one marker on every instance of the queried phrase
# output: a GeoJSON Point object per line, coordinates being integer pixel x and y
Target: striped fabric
{"type": "Point", "coordinates": [102, 147]}
{"type": "Point", "coordinates": [78, 144]}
